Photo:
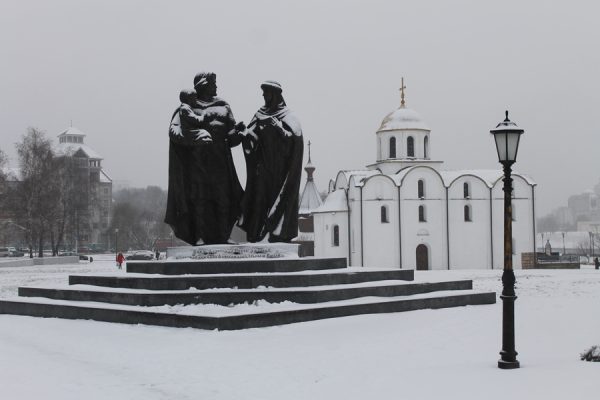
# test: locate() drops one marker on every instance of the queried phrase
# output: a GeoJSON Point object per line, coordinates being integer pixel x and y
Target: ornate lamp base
{"type": "Point", "coordinates": [508, 364]}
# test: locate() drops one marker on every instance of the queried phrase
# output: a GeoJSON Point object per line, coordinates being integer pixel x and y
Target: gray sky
{"type": "Point", "coordinates": [116, 68]}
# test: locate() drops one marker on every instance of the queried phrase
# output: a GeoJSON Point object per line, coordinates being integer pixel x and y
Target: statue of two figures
{"type": "Point", "coordinates": [205, 198]}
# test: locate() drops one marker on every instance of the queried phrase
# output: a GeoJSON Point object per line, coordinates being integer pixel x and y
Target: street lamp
{"type": "Point", "coordinates": [507, 135]}
{"type": "Point", "coordinates": [116, 240]}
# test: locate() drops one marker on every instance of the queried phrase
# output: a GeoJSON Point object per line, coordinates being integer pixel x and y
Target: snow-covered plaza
{"type": "Point", "coordinates": [429, 354]}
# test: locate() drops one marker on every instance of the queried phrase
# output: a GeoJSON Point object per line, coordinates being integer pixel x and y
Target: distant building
{"type": "Point", "coordinates": [404, 211]}
{"type": "Point", "coordinates": [94, 208]}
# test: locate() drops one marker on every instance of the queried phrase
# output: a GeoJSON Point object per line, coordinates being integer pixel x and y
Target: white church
{"type": "Point", "coordinates": [405, 211]}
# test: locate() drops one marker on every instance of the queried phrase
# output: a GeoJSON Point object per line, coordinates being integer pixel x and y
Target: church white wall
{"type": "Point", "coordinates": [522, 226]}
{"type": "Point", "coordinates": [383, 143]}
{"type": "Point", "coordinates": [380, 239]}
{"type": "Point", "coordinates": [323, 224]}
{"type": "Point", "coordinates": [470, 242]}
{"type": "Point", "coordinates": [354, 198]}
{"type": "Point", "coordinates": [472, 245]}
{"type": "Point", "coordinates": [431, 233]}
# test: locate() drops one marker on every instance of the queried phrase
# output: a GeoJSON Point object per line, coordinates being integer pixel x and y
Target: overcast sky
{"type": "Point", "coordinates": [115, 68]}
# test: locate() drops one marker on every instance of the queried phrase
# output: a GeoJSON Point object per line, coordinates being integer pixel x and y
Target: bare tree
{"type": "Point", "coordinates": [68, 183]}
{"type": "Point", "coordinates": [35, 194]}
{"type": "Point", "coordinates": [3, 186]}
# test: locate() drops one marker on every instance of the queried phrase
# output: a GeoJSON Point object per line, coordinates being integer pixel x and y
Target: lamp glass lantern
{"type": "Point", "coordinates": [507, 135]}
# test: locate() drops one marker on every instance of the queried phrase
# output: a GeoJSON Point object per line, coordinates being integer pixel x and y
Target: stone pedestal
{"type": "Point", "coordinates": [234, 251]}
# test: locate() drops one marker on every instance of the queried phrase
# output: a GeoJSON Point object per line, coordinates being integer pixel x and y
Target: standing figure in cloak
{"type": "Point", "coordinates": [204, 191]}
{"type": "Point", "coordinates": [273, 148]}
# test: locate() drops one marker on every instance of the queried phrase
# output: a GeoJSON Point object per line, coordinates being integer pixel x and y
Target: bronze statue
{"type": "Point", "coordinates": [204, 191]}
{"type": "Point", "coordinates": [273, 148]}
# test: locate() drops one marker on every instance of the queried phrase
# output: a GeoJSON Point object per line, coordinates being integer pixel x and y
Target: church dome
{"type": "Point", "coordinates": [403, 118]}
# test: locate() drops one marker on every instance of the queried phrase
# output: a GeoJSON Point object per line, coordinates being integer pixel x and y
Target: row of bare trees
{"type": "Point", "coordinates": [46, 196]}
{"type": "Point", "coordinates": [50, 201]}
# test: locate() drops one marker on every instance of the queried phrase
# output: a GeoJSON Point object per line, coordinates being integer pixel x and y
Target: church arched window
{"type": "Point", "coordinates": [384, 214]}
{"type": "Point", "coordinates": [336, 236]}
{"type": "Point", "coordinates": [422, 216]}
{"type": "Point", "coordinates": [468, 213]}
{"type": "Point", "coordinates": [410, 147]}
{"type": "Point", "coordinates": [466, 190]}
{"type": "Point", "coordinates": [426, 147]}
{"type": "Point", "coordinates": [421, 189]}
{"type": "Point", "coordinates": [392, 147]}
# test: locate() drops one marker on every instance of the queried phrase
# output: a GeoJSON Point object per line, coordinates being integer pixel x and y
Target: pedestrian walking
{"type": "Point", "coordinates": [120, 260]}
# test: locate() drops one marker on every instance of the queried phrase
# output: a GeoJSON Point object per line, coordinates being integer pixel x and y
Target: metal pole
{"type": "Point", "coordinates": [508, 354]}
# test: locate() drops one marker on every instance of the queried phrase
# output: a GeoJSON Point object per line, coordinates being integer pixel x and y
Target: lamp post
{"type": "Point", "coordinates": [507, 135]}
{"type": "Point", "coordinates": [564, 250]}
{"type": "Point", "coordinates": [116, 240]}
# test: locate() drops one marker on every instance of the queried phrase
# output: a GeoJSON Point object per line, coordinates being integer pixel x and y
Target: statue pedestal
{"type": "Point", "coordinates": [234, 251]}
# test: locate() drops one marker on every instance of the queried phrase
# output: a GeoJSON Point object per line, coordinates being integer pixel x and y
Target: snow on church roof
{"type": "Point", "coordinates": [403, 118]}
{"type": "Point", "coordinates": [310, 198]}
{"type": "Point", "coordinates": [359, 174]}
{"type": "Point", "coordinates": [489, 176]}
{"type": "Point", "coordinates": [335, 201]}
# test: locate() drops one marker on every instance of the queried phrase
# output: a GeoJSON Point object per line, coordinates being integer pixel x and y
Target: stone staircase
{"type": "Point", "coordinates": [239, 294]}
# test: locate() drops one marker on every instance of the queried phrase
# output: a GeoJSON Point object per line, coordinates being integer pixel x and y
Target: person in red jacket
{"type": "Point", "coordinates": [120, 260]}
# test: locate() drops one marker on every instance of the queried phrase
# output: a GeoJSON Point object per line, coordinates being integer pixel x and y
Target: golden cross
{"type": "Point", "coordinates": [402, 87]}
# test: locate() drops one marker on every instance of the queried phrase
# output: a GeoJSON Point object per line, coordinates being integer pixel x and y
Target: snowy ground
{"type": "Point", "coordinates": [430, 354]}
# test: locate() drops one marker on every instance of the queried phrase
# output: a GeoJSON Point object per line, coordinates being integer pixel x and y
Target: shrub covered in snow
{"type": "Point", "coordinates": [592, 354]}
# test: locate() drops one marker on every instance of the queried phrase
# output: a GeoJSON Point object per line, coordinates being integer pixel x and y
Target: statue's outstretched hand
{"type": "Point", "coordinates": [240, 127]}
{"type": "Point", "coordinates": [203, 136]}
{"type": "Point", "coordinates": [277, 124]}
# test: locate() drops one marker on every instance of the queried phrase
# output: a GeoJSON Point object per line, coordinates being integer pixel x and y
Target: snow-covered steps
{"type": "Point", "coordinates": [238, 294]}
{"type": "Point", "coordinates": [235, 296]}
{"type": "Point", "coordinates": [244, 281]}
{"type": "Point", "coordinates": [182, 267]}
{"type": "Point", "coordinates": [191, 316]}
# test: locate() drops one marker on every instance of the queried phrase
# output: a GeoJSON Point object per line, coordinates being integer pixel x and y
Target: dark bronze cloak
{"type": "Point", "coordinates": [204, 191]}
{"type": "Point", "coordinates": [274, 167]}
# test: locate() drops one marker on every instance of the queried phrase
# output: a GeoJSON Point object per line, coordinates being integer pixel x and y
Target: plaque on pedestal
{"type": "Point", "coordinates": [234, 251]}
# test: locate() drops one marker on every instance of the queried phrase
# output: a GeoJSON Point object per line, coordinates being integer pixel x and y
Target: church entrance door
{"type": "Point", "coordinates": [422, 258]}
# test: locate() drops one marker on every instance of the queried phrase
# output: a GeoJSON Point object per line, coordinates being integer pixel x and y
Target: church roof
{"type": "Point", "coordinates": [310, 198]}
{"type": "Point", "coordinates": [403, 118]}
{"type": "Point", "coordinates": [335, 201]}
{"type": "Point", "coordinates": [489, 176]}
